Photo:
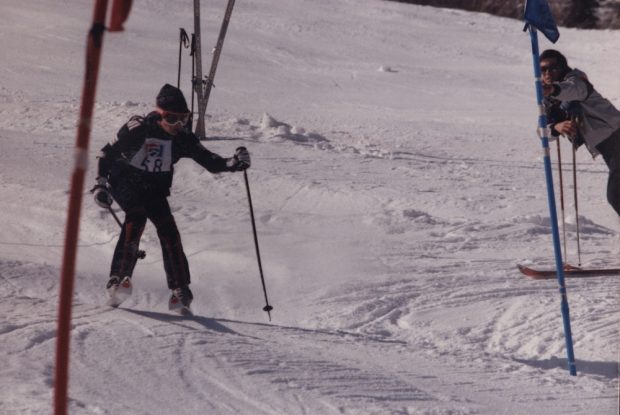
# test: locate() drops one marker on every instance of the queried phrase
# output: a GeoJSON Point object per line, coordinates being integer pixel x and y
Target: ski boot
{"type": "Point", "coordinates": [118, 290]}
{"type": "Point", "coordinates": [180, 300]}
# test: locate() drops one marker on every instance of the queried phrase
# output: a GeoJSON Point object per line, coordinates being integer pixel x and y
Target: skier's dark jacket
{"type": "Point", "coordinates": [143, 156]}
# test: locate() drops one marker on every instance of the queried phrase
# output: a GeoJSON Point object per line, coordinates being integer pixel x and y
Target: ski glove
{"type": "Point", "coordinates": [103, 198]}
{"type": "Point", "coordinates": [240, 161]}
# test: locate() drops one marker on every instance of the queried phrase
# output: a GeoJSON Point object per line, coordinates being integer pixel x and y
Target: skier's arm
{"type": "Point", "coordinates": [112, 152]}
{"type": "Point", "coordinates": [573, 88]}
{"type": "Point", "coordinates": [214, 163]}
{"type": "Point", "coordinates": [105, 162]}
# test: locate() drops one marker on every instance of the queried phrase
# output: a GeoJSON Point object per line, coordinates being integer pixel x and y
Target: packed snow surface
{"type": "Point", "coordinates": [397, 180]}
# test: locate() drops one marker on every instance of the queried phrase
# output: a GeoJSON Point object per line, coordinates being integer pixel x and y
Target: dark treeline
{"type": "Point", "coordinates": [585, 14]}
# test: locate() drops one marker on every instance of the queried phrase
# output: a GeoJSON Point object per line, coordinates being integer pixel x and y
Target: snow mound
{"type": "Point", "coordinates": [279, 131]}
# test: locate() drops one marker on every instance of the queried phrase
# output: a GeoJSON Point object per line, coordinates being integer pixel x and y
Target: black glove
{"type": "Point", "coordinates": [102, 193]}
{"type": "Point", "coordinates": [240, 161]}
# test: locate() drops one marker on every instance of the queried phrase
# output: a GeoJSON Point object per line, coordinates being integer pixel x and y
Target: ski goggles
{"type": "Point", "coordinates": [175, 118]}
{"type": "Point", "coordinates": [549, 68]}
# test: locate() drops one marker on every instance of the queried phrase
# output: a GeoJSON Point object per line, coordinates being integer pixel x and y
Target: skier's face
{"type": "Point", "coordinates": [550, 71]}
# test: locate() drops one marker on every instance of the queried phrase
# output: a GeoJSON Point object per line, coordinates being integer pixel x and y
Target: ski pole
{"type": "Point", "coordinates": [183, 42]}
{"type": "Point", "coordinates": [192, 51]}
{"type": "Point", "coordinates": [140, 254]}
{"type": "Point", "coordinates": [267, 307]}
{"type": "Point", "coordinates": [561, 180]}
{"type": "Point", "coordinates": [576, 200]}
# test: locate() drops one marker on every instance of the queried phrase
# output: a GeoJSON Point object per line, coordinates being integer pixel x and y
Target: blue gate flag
{"type": "Point", "coordinates": [538, 14]}
{"type": "Point", "coordinates": [542, 124]}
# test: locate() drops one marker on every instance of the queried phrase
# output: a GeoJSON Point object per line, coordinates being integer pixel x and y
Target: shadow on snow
{"type": "Point", "coordinates": [208, 323]}
{"type": "Point", "coordinates": [605, 369]}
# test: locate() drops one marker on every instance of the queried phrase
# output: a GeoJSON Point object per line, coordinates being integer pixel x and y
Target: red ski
{"type": "Point", "coordinates": [569, 271]}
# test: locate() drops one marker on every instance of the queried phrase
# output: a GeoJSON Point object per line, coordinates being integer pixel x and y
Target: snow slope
{"type": "Point", "coordinates": [397, 180]}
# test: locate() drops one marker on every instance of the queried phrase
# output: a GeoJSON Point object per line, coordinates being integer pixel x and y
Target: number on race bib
{"type": "Point", "coordinates": [155, 156]}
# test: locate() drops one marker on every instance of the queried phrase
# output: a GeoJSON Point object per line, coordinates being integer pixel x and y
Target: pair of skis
{"type": "Point", "coordinates": [203, 87]}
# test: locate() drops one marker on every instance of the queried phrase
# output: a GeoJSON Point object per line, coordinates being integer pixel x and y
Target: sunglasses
{"type": "Point", "coordinates": [549, 68]}
{"type": "Point", "coordinates": [175, 118]}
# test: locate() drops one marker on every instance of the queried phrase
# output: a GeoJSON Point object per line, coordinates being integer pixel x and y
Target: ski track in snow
{"type": "Point", "coordinates": [390, 218]}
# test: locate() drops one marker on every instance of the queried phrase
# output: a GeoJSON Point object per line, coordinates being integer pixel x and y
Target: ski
{"type": "Point", "coordinates": [197, 81]}
{"type": "Point", "coordinates": [119, 293]}
{"type": "Point", "coordinates": [569, 271]}
{"type": "Point", "coordinates": [217, 51]}
{"type": "Point", "coordinates": [203, 89]}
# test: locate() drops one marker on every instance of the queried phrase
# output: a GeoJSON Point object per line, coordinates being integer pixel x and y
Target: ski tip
{"type": "Point", "coordinates": [179, 309]}
{"type": "Point", "coordinates": [112, 303]}
{"type": "Point", "coordinates": [117, 295]}
{"type": "Point", "coordinates": [525, 269]}
{"type": "Point", "coordinates": [535, 274]}
{"type": "Point", "coordinates": [185, 312]}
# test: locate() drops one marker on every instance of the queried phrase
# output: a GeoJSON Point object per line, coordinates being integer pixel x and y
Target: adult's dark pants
{"type": "Point", "coordinates": [610, 150]}
{"type": "Point", "coordinates": [140, 206]}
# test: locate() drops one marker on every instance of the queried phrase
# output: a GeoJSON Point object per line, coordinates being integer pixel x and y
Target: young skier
{"type": "Point", "coordinates": [136, 171]}
{"type": "Point", "coordinates": [576, 110]}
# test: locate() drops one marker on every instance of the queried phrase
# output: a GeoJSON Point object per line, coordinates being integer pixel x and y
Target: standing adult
{"type": "Point", "coordinates": [576, 110]}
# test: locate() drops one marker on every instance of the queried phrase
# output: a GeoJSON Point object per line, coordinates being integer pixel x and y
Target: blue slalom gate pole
{"type": "Point", "coordinates": [542, 128]}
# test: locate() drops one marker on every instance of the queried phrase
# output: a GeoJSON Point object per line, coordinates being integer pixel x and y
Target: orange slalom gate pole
{"type": "Point", "coordinates": [93, 56]}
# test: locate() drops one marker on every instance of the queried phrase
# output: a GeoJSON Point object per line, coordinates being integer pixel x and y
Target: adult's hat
{"type": "Point", "coordinates": [171, 99]}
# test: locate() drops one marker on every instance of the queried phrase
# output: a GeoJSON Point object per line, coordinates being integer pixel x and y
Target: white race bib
{"type": "Point", "coordinates": [155, 156]}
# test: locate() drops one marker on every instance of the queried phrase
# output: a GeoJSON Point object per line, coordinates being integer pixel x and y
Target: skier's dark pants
{"type": "Point", "coordinates": [610, 150]}
{"type": "Point", "coordinates": [138, 208]}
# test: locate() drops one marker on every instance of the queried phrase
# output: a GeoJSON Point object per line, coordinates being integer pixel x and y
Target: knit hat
{"type": "Point", "coordinates": [171, 99]}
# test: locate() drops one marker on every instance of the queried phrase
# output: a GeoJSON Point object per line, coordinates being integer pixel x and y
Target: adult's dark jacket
{"type": "Point", "coordinates": [597, 118]}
